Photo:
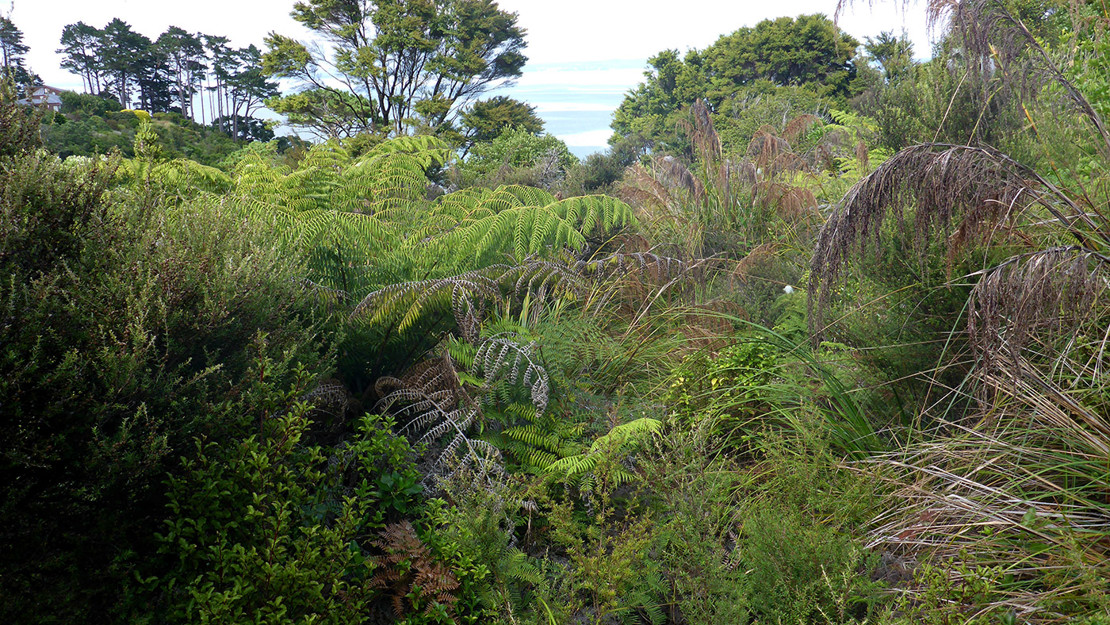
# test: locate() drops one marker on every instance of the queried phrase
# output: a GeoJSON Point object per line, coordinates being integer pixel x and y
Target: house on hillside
{"type": "Point", "coordinates": [50, 97]}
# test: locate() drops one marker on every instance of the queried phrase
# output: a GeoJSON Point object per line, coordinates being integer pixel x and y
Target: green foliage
{"type": "Point", "coordinates": [625, 412]}
{"type": "Point", "coordinates": [498, 581]}
{"type": "Point", "coordinates": [801, 534]}
{"type": "Point", "coordinates": [516, 156]}
{"type": "Point", "coordinates": [399, 65]}
{"type": "Point", "coordinates": [773, 50]}
{"type": "Point", "coordinates": [607, 452]}
{"type": "Point", "coordinates": [695, 487]}
{"type": "Point", "coordinates": [607, 546]}
{"type": "Point", "coordinates": [954, 595]}
{"type": "Point", "coordinates": [97, 126]}
{"type": "Point", "coordinates": [488, 119]}
{"type": "Point", "coordinates": [126, 333]}
{"type": "Point", "coordinates": [806, 52]}
{"type": "Point", "coordinates": [736, 377]}
{"type": "Point", "coordinates": [801, 570]}
{"type": "Point", "coordinates": [270, 527]}
{"type": "Point", "coordinates": [84, 105]}
{"type": "Point", "coordinates": [18, 123]}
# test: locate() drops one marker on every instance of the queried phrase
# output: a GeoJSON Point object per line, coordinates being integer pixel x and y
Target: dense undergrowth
{"type": "Point", "coordinates": [813, 377]}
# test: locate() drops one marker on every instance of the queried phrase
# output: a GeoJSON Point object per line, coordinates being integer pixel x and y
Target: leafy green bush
{"type": "Point", "coordinates": [87, 105]}
{"type": "Point", "coordinates": [799, 570]}
{"type": "Point", "coordinates": [516, 156]}
{"type": "Point", "coordinates": [731, 385]}
{"type": "Point", "coordinates": [274, 528]}
{"type": "Point", "coordinates": [126, 331]}
{"type": "Point", "coordinates": [695, 489]}
{"type": "Point", "coordinates": [18, 124]}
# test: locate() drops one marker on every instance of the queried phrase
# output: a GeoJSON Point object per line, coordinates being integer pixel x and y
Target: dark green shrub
{"type": "Point", "coordinates": [88, 105]}
{"type": "Point", "coordinates": [515, 157]}
{"type": "Point", "coordinates": [125, 332]}
{"type": "Point", "coordinates": [800, 570]}
{"type": "Point", "coordinates": [19, 125]}
{"type": "Point", "coordinates": [695, 488]}
{"type": "Point", "coordinates": [271, 529]}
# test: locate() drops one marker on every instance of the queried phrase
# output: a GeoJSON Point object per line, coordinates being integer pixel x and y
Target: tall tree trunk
{"type": "Point", "coordinates": [220, 100]}
{"type": "Point", "coordinates": [234, 119]}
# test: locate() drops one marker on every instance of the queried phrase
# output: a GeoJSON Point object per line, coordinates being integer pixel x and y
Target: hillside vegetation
{"type": "Point", "coordinates": [808, 344]}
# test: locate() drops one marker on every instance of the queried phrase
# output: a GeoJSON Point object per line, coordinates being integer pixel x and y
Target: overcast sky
{"type": "Point", "coordinates": [581, 46]}
{"type": "Point", "coordinates": [558, 30]}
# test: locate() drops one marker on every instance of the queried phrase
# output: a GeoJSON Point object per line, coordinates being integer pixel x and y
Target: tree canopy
{"type": "Point", "coordinates": [807, 52]}
{"type": "Point", "coordinates": [172, 73]}
{"type": "Point", "coordinates": [393, 65]}
{"type": "Point", "coordinates": [487, 119]}
{"type": "Point", "coordinates": [12, 50]}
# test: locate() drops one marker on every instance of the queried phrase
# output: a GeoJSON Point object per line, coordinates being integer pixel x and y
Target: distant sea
{"type": "Point", "coordinates": [576, 100]}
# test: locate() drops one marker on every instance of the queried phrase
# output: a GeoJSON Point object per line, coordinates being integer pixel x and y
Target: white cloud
{"type": "Point", "coordinates": [580, 79]}
{"type": "Point", "coordinates": [585, 30]}
{"type": "Point", "coordinates": [588, 139]}
{"type": "Point", "coordinates": [571, 107]}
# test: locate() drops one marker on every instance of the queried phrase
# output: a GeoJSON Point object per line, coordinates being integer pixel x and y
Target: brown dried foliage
{"type": "Point", "coordinates": [1042, 294]}
{"type": "Point", "coordinates": [962, 191]}
{"type": "Point", "coordinates": [410, 573]}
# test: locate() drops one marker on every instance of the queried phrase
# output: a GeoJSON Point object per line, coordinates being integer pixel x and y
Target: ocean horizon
{"type": "Point", "coordinates": [576, 100]}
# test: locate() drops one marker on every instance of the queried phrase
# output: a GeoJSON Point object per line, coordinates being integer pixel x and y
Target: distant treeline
{"type": "Point", "coordinates": [168, 73]}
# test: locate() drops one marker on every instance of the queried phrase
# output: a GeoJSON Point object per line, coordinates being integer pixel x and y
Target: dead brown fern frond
{"type": "Point", "coordinates": [436, 411]}
{"type": "Point", "coordinates": [412, 575]}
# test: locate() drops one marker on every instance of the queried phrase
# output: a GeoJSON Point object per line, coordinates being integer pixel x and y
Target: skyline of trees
{"type": "Point", "coordinates": [430, 81]}
{"type": "Point", "coordinates": [12, 50]}
{"type": "Point", "coordinates": [394, 66]}
{"type": "Point", "coordinates": [196, 74]}
{"type": "Point", "coordinates": [444, 55]}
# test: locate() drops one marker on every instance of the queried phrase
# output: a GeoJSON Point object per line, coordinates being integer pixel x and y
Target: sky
{"type": "Point", "coordinates": [583, 54]}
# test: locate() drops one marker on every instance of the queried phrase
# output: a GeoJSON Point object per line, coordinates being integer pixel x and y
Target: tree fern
{"type": "Point", "coordinates": [438, 413]}
{"type": "Point", "coordinates": [428, 150]}
{"type": "Point", "coordinates": [500, 224]}
{"type": "Point", "coordinates": [619, 440]}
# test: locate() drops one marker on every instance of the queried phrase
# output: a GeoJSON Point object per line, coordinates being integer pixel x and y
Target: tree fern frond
{"type": "Point", "coordinates": [407, 301]}
{"type": "Point", "coordinates": [429, 151]}
{"type": "Point", "coordinates": [617, 440]}
{"type": "Point", "coordinates": [504, 357]}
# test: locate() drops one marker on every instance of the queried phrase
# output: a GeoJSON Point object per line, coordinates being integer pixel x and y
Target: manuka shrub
{"type": "Point", "coordinates": [125, 331]}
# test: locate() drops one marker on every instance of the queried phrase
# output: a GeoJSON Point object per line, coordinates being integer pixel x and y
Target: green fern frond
{"type": "Point", "coordinates": [594, 213]}
{"type": "Point", "coordinates": [618, 440]}
{"type": "Point", "coordinates": [573, 467]}
{"type": "Point", "coordinates": [407, 301]}
{"type": "Point", "coordinates": [522, 231]}
{"type": "Point", "coordinates": [329, 155]}
{"type": "Point", "coordinates": [626, 433]}
{"type": "Point", "coordinates": [429, 150]}
{"type": "Point", "coordinates": [183, 173]}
